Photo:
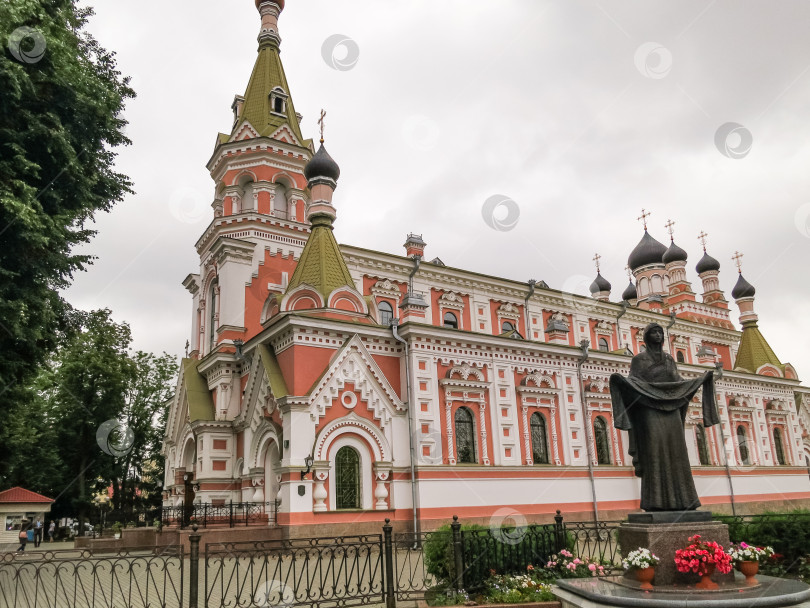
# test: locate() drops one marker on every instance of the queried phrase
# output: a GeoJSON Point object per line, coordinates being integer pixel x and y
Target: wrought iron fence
{"type": "Point", "coordinates": [319, 572]}
{"type": "Point", "coordinates": [506, 550]}
{"type": "Point", "coordinates": [229, 515]}
{"type": "Point", "coordinates": [411, 576]}
{"type": "Point", "coordinates": [66, 579]}
{"type": "Point", "coordinates": [595, 540]}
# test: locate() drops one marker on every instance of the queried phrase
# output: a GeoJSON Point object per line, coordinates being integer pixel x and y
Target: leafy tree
{"type": "Point", "coordinates": [87, 388]}
{"type": "Point", "coordinates": [137, 477]}
{"type": "Point", "coordinates": [60, 120]}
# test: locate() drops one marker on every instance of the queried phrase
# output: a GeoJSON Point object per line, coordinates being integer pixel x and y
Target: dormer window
{"type": "Point", "coordinates": [278, 101]}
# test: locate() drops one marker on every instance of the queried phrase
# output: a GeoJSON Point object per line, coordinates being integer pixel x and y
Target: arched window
{"type": "Point", "coordinates": [386, 313]}
{"type": "Point", "coordinates": [281, 197]}
{"type": "Point", "coordinates": [213, 304]}
{"type": "Point", "coordinates": [247, 197]}
{"type": "Point", "coordinates": [450, 320]}
{"type": "Point", "coordinates": [600, 433]}
{"type": "Point", "coordinates": [778, 447]}
{"type": "Point", "coordinates": [742, 444]}
{"type": "Point", "coordinates": [465, 436]}
{"type": "Point", "coordinates": [702, 446]}
{"type": "Point", "coordinates": [603, 345]}
{"type": "Point", "coordinates": [507, 326]}
{"type": "Point", "coordinates": [807, 463]}
{"type": "Point", "coordinates": [679, 356]}
{"type": "Point", "coordinates": [657, 284]}
{"type": "Point", "coordinates": [347, 478]}
{"type": "Point", "coordinates": [539, 439]}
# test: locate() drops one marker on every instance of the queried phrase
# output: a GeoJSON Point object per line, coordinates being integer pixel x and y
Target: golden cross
{"type": "Point", "coordinates": [629, 272]}
{"type": "Point", "coordinates": [320, 122]}
{"type": "Point", "coordinates": [643, 217]}
{"type": "Point", "coordinates": [596, 259]}
{"type": "Point", "coordinates": [737, 257]}
{"type": "Point", "coordinates": [702, 238]}
{"type": "Point", "coordinates": [669, 228]}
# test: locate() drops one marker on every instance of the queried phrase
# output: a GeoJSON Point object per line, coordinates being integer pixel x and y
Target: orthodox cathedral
{"type": "Point", "coordinates": [338, 386]}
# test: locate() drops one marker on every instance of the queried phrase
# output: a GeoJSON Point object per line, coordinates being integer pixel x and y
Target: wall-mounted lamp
{"type": "Point", "coordinates": [238, 344]}
{"type": "Point", "coordinates": [307, 461]}
{"type": "Point", "coordinates": [196, 487]}
{"type": "Point", "coordinates": [286, 444]}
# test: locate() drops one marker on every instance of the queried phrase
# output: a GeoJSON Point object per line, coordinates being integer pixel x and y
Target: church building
{"type": "Point", "coordinates": [336, 386]}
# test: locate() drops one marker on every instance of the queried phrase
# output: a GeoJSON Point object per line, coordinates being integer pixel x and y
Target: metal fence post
{"type": "Point", "coordinates": [390, 597]}
{"type": "Point", "coordinates": [194, 569]}
{"type": "Point", "coordinates": [230, 514]}
{"type": "Point", "coordinates": [559, 532]}
{"type": "Point", "coordinates": [458, 553]}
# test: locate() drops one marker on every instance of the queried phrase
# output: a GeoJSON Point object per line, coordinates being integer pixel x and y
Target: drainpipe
{"type": "Point", "coordinates": [417, 260]}
{"type": "Point", "coordinates": [672, 320]}
{"type": "Point", "coordinates": [719, 371]}
{"type": "Point", "coordinates": [583, 345]}
{"type": "Point", "coordinates": [624, 306]}
{"type": "Point", "coordinates": [398, 338]}
{"type": "Point", "coordinates": [532, 283]}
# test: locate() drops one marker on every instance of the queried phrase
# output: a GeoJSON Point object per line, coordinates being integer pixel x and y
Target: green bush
{"type": "Point", "coordinates": [504, 551]}
{"type": "Point", "coordinates": [787, 533]}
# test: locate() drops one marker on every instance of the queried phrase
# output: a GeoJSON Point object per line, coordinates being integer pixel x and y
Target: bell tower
{"type": "Point", "coordinates": [259, 225]}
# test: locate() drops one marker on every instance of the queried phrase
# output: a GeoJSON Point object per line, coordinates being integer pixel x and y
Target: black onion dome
{"type": "Point", "coordinates": [706, 264]}
{"type": "Point", "coordinates": [630, 292]}
{"type": "Point", "coordinates": [600, 283]}
{"type": "Point", "coordinates": [322, 165]}
{"type": "Point", "coordinates": [743, 289]}
{"type": "Point", "coordinates": [648, 251]}
{"type": "Point", "coordinates": [674, 254]}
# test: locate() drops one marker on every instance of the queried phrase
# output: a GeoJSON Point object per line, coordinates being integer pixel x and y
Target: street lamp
{"type": "Point", "coordinates": [308, 461]}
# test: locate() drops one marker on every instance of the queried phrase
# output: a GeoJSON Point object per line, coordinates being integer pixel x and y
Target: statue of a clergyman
{"type": "Point", "coordinates": [651, 405]}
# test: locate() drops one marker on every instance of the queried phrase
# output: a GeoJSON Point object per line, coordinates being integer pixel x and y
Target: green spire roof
{"type": "Point", "coordinates": [200, 403]}
{"type": "Point", "coordinates": [268, 73]}
{"type": "Point", "coordinates": [754, 350]}
{"type": "Point", "coordinates": [321, 265]}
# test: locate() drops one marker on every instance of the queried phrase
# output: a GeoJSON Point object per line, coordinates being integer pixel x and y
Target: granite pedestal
{"type": "Point", "coordinates": [603, 592]}
{"type": "Point", "coordinates": [664, 532]}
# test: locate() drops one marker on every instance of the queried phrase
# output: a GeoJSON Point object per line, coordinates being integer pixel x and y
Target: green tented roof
{"type": "Point", "coordinates": [200, 403]}
{"type": "Point", "coordinates": [277, 383]}
{"type": "Point", "coordinates": [754, 350]}
{"type": "Point", "coordinates": [321, 265]}
{"type": "Point", "coordinates": [268, 73]}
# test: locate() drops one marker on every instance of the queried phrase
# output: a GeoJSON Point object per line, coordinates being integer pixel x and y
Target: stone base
{"type": "Point", "coordinates": [668, 517]}
{"type": "Point", "coordinates": [663, 539]}
{"type": "Point", "coordinates": [602, 592]}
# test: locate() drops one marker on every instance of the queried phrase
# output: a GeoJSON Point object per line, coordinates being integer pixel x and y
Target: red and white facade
{"type": "Point", "coordinates": [292, 374]}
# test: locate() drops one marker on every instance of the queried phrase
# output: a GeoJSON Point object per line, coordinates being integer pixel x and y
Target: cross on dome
{"type": "Point", "coordinates": [669, 226]}
{"type": "Point", "coordinates": [321, 121]}
{"type": "Point", "coordinates": [643, 217]}
{"type": "Point", "coordinates": [596, 259]}
{"type": "Point", "coordinates": [702, 238]}
{"type": "Point", "coordinates": [737, 257]}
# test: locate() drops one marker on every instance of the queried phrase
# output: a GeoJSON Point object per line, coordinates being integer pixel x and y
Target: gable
{"type": "Point", "coordinates": [354, 365]}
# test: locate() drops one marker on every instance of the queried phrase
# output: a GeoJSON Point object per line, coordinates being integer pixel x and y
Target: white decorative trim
{"type": "Point", "coordinates": [360, 426]}
{"type": "Point", "coordinates": [450, 299]}
{"type": "Point", "coordinates": [354, 364]}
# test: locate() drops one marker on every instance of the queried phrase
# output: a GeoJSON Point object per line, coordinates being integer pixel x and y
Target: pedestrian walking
{"type": "Point", "coordinates": [51, 530]}
{"type": "Point", "coordinates": [23, 538]}
{"type": "Point", "coordinates": [39, 530]}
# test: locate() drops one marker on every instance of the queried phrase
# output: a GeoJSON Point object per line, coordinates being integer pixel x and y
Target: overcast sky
{"type": "Point", "coordinates": [582, 113]}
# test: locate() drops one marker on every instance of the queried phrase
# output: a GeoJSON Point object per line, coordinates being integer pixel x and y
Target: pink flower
{"type": "Point", "coordinates": [592, 567]}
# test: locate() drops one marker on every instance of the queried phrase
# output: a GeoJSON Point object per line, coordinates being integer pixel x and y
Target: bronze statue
{"type": "Point", "coordinates": [651, 405]}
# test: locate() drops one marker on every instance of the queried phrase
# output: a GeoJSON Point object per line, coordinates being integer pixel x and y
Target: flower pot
{"type": "Point", "coordinates": [117, 536]}
{"type": "Point", "coordinates": [749, 571]}
{"type": "Point", "coordinates": [645, 576]}
{"type": "Point", "coordinates": [706, 581]}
